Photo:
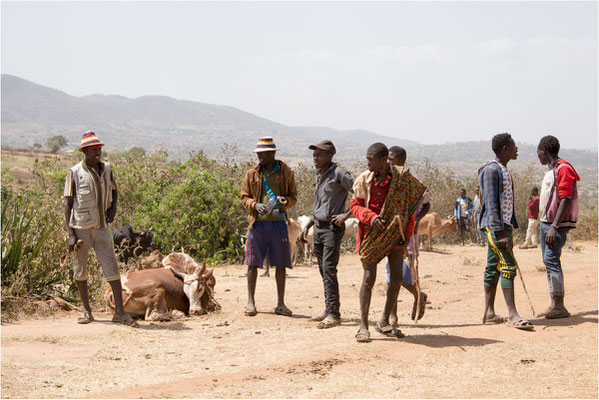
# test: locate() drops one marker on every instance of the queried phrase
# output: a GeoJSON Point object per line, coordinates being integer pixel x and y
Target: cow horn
{"type": "Point", "coordinates": [178, 274]}
{"type": "Point", "coordinates": [137, 253]}
{"type": "Point", "coordinates": [208, 273]}
{"type": "Point", "coordinates": [203, 269]}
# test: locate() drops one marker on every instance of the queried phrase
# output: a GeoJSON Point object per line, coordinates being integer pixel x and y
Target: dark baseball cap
{"type": "Point", "coordinates": [325, 145]}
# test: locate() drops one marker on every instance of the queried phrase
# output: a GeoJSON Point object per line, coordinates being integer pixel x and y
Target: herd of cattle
{"type": "Point", "coordinates": [164, 286]}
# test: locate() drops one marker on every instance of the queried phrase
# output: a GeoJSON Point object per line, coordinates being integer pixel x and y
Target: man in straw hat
{"type": "Point", "coordinates": [90, 205]}
{"type": "Point", "coordinates": [331, 187]}
{"type": "Point", "coordinates": [268, 190]}
{"type": "Point", "coordinates": [386, 197]}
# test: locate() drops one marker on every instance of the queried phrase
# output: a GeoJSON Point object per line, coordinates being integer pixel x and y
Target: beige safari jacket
{"type": "Point", "coordinates": [251, 189]}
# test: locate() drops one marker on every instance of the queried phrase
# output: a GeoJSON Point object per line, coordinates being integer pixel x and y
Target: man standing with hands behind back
{"type": "Point", "coordinates": [331, 187]}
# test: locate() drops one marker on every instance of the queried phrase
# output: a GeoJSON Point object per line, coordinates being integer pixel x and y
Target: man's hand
{"type": "Point", "coordinates": [72, 241]}
{"type": "Point", "coordinates": [110, 214]}
{"type": "Point", "coordinates": [378, 224]}
{"type": "Point", "coordinates": [338, 219]}
{"type": "Point", "coordinates": [304, 235]}
{"type": "Point", "coordinates": [551, 236]}
{"type": "Point", "coordinates": [261, 208]}
{"type": "Point", "coordinates": [502, 240]}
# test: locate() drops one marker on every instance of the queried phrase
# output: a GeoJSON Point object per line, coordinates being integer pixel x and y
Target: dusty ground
{"type": "Point", "coordinates": [227, 355]}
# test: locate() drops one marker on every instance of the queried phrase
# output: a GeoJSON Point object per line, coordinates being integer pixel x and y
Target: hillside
{"type": "Point", "coordinates": [31, 113]}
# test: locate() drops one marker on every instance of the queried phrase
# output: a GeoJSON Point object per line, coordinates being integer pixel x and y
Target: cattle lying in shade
{"type": "Point", "coordinates": [181, 284]}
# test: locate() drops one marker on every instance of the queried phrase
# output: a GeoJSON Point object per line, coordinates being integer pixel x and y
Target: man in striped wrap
{"type": "Point", "coordinates": [385, 199]}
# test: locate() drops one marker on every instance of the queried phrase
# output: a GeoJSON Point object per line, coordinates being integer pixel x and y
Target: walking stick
{"type": "Point", "coordinates": [414, 266]}
{"type": "Point", "coordinates": [522, 280]}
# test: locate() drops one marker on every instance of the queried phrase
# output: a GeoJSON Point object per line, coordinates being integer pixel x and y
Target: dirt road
{"type": "Point", "coordinates": [227, 355]}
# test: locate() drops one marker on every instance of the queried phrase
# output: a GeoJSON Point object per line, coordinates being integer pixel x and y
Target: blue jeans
{"type": "Point", "coordinates": [551, 259]}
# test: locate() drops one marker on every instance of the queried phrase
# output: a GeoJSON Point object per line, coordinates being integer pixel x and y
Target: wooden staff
{"type": "Point", "coordinates": [413, 266]}
{"type": "Point", "coordinates": [522, 280]}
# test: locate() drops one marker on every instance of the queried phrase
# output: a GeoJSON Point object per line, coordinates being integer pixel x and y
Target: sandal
{"type": "Point", "coordinates": [250, 311]}
{"type": "Point", "coordinates": [497, 319]}
{"type": "Point", "coordinates": [85, 318]}
{"type": "Point", "coordinates": [125, 319]}
{"type": "Point", "coordinates": [389, 331]}
{"type": "Point", "coordinates": [283, 310]}
{"type": "Point", "coordinates": [328, 322]}
{"type": "Point", "coordinates": [521, 324]}
{"type": "Point", "coordinates": [363, 336]}
{"type": "Point", "coordinates": [556, 313]}
{"type": "Point", "coordinates": [422, 307]}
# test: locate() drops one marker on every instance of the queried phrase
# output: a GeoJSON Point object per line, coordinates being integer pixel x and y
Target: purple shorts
{"type": "Point", "coordinates": [268, 238]}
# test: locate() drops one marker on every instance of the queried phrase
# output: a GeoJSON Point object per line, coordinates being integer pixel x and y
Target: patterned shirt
{"type": "Point", "coordinates": [507, 196]}
{"type": "Point", "coordinates": [273, 179]}
{"type": "Point", "coordinates": [491, 182]}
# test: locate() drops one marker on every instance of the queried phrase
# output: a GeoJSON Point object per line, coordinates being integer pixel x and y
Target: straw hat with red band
{"type": "Point", "coordinates": [89, 139]}
{"type": "Point", "coordinates": [265, 144]}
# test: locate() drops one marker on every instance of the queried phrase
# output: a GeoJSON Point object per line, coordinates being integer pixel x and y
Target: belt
{"type": "Point", "coordinates": [322, 224]}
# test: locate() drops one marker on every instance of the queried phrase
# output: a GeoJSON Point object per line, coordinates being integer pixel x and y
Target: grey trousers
{"type": "Point", "coordinates": [327, 246]}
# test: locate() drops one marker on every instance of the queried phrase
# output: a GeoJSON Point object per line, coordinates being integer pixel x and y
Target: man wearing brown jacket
{"type": "Point", "coordinates": [268, 190]}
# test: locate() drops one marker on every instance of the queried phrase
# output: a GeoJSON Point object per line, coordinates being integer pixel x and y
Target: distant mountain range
{"type": "Point", "coordinates": [31, 113]}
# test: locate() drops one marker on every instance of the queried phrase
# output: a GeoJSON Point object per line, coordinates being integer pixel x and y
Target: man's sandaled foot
{"type": "Point", "coordinates": [495, 319]}
{"type": "Point", "coordinates": [388, 330]}
{"type": "Point", "coordinates": [521, 324]}
{"type": "Point", "coordinates": [85, 318]}
{"type": "Point", "coordinates": [556, 313]}
{"type": "Point", "coordinates": [283, 310]}
{"type": "Point", "coordinates": [319, 317]}
{"type": "Point", "coordinates": [250, 311]}
{"type": "Point", "coordinates": [393, 320]}
{"type": "Point", "coordinates": [544, 313]}
{"type": "Point", "coordinates": [124, 319]}
{"type": "Point", "coordinates": [363, 336]}
{"type": "Point", "coordinates": [423, 297]}
{"type": "Point", "coordinates": [329, 322]}
{"type": "Point", "coordinates": [265, 274]}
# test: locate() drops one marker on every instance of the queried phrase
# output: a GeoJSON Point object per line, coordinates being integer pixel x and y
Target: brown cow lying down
{"type": "Point", "coordinates": [180, 285]}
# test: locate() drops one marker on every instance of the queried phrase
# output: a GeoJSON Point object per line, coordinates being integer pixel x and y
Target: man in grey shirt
{"type": "Point", "coordinates": [331, 187]}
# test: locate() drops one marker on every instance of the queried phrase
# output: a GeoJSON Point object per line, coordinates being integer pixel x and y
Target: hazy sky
{"type": "Point", "coordinates": [427, 71]}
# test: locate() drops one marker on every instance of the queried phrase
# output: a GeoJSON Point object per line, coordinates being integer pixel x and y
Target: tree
{"type": "Point", "coordinates": [56, 143]}
{"type": "Point", "coordinates": [37, 146]}
{"type": "Point", "coordinates": [136, 152]}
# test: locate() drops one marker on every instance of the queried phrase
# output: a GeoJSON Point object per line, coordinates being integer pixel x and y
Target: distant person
{"type": "Point", "coordinates": [91, 195]}
{"type": "Point", "coordinates": [480, 237]}
{"type": "Point", "coordinates": [268, 190]}
{"type": "Point", "coordinates": [397, 156]}
{"type": "Point", "coordinates": [462, 214]}
{"type": "Point", "coordinates": [533, 220]}
{"type": "Point", "coordinates": [558, 214]}
{"type": "Point", "coordinates": [498, 220]}
{"type": "Point", "coordinates": [385, 199]}
{"type": "Point", "coordinates": [331, 187]}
